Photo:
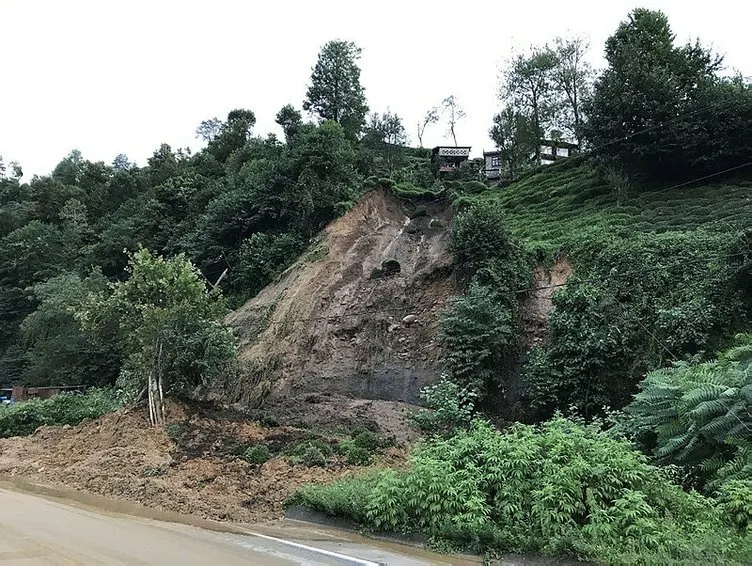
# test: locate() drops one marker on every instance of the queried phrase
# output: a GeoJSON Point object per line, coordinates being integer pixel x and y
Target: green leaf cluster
{"type": "Point", "coordinates": [699, 415]}
{"type": "Point", "coordinates": [23, 418]}
{"type": "Point", "coordinates": [563, 488]}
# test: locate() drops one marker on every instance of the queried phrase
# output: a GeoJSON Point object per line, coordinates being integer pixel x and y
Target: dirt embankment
{"type": "Point", "coordinates": [537, 306]}
{"type": "Point", "coordinates": [357, 315]}
{"type": "Point", "coordinates": [189, 467]}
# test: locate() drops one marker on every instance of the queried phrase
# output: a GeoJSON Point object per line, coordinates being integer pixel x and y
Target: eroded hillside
{"type": "Point", "coordinates": [357, 315]}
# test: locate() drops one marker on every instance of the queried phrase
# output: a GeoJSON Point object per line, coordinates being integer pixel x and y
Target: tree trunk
{"type": "Point", "coordinates": [538, 136]}
{"type": "Point", "coordinates": [156, 392]}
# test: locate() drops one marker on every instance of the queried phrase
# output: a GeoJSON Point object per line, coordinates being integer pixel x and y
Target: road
{"type": "Point", "coordinates": [42, 531]}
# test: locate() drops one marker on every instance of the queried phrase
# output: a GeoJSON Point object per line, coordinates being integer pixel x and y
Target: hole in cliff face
{"type": "Point", "coordinates": [388, 268]}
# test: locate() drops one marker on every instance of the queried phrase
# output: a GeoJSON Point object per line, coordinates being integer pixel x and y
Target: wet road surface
{"type": "Point", "coordinates": [36, 530]}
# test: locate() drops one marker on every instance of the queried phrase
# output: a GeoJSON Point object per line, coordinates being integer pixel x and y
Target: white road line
{"type": "Point", "coordinates": [337, 555]}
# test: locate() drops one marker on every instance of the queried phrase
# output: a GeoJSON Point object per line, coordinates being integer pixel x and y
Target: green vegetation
{"type": "Point", "coordinates": [257, 454]}
{"type": "Point", "coordinates": [118, 272]}
{"type": "Point", "coordinates": [23, 418]}
{"type": "Point", "coordinates": [562, 488]}
{"type": "Point", "coordinates": [164, 321]}
{"type": "Point", "coordinates": [570, 204]}
{"type": "Point", "coordinates": [449, 407]}
{"type": "Point", "coordinates": [699, 416]}
{"type": "Point", "coordinates": [660, 245]}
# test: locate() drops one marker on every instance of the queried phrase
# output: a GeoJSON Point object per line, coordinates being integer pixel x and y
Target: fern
{"type": "Point", "coordinates": [699, 413]}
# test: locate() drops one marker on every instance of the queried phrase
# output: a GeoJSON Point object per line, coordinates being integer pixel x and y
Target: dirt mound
{"type": "Point", "coordinates": [357, 315]}
{"type": "Point", "coordinates": [189, 467]}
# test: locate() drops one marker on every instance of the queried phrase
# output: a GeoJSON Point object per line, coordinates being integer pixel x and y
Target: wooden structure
{"type": "Point", "coordinates": [492, 165]}
{"type": "Point", "coordinates": [449, 158]}
{"type": "Point", "coordinates": [551, 150]}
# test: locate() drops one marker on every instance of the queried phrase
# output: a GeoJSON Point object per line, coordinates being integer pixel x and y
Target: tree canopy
{"type": "Point", "coordinates": [335, 92]}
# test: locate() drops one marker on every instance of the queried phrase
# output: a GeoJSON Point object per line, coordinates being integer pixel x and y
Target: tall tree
{"type": "Point", "coordinates": [526, 85]}
{"type": "Point", "coordinates": [649, 87]}
{"type": "Point", "coordinates": [233, 134]}
{"type": "Point", "coordinates": [431, 117]}
{"type": "Point", "coordinates": [335, 92]}
{"type": "Point", "coordinates": [572, 76]}
{"type": "Point", "coordinates": [165, 320]}
{"type": "Point", "coordinates": [514, 135]}
{"type": "Point", "coordinates": [454, 114]}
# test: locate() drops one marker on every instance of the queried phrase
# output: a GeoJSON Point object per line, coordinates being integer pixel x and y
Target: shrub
{"type": "Point", "coordinates": [257, 454]}
{"type": "Point", "coordinates": [698, 414]}
{"type": "Point", "coordinates": [477, 332]}
{"type": "Point", "coordinates": [450, 407]}
{"type": "Point", "coordinates": [736, 503]}
{"type": "Point", "coordinates": [313, 457]}
{"type": "Point", "coordinates": [563, 488]}
{"type": "Point", "coordinates": [313, 452]}
{"type": "Point", "coordinates": [355, 455]}
{"type": "Point", "coordinates": [358, 450]}
{"type": "Point", "coordinates": [347, 498]}
{"type": "Point", "coordinates": [23, 418]}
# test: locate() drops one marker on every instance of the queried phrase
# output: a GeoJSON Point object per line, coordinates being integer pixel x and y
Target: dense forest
{"type": "Point", "coordinates": [120, 273]}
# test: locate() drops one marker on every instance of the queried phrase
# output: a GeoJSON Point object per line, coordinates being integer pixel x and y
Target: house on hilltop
{"type": "Point", "coordinates": [449, 158]}
{"type": "Point", "coordinates": [550, 149]}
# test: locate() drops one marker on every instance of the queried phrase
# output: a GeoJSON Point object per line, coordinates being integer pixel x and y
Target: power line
{"type": "Point", "coordinates": [698, 179]}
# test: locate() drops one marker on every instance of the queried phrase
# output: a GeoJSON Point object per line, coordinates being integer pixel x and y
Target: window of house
{"type": "Point", "coordinates": [562, 152]}
{"type": "Point", "coordinates": [495, 161]}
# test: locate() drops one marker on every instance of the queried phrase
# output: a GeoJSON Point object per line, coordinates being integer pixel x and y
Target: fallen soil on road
{"type": "Point", "coordinates": [192, 465]}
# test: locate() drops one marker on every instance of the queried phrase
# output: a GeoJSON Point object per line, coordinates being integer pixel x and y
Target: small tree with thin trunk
{"type": "Point", "coordinates": [572, 78]}
{"type": "Point", "coordinates": [165, 321]}
{"type": "Point", "coordinates": [431, 117]}
{"type": "Point", "coordinates": [453, 113]}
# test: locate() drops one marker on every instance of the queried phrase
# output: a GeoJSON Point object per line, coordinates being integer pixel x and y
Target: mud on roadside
{"type": "Point", "coordinates": [194, 465]}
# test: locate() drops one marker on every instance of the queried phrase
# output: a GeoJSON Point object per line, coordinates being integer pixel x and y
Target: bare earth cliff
{"type": "Point", "coordinates": [357, 315]}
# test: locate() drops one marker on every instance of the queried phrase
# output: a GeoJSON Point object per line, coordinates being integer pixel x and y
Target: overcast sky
{"type": "Point", "coordinates": [110, 77]}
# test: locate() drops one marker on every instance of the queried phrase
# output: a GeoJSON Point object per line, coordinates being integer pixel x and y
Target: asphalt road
{"type": "Point", "coordinates": [36, 530]}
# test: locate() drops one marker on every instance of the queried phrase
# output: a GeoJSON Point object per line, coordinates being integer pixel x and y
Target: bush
{"type": "Point", "coordinates": [313, 452]}
{"type": "Point", "coordinates": [477, 333]}
{"type": "Point", "coordinates": [450, 407]}
{"type": "Point", "coordinates": [358, 450]}
{"type": "Point", "coordinates": [736, 503]}
{"type": "Point", "coordinates": [354, 454]}
{"type": "Point", "coordinates": [257, 454]}
{"type": "Point", "coordinates": [23, 418]}
{"type": "Point", "coordinates": [698, 415]}
{"type": "Point", "coordinates": [347, 498]}
{"type": "Point", "coordinates": [313, 457]}
{"type": "Point", "coordinates": [563, 488]}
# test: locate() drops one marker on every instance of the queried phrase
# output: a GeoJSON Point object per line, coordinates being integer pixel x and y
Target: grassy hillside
{"type": "Point", "coordinates": [565, 203]}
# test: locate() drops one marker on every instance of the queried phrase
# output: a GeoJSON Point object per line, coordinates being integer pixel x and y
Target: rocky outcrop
{"type": "Point", "coordinates": [357, 314]}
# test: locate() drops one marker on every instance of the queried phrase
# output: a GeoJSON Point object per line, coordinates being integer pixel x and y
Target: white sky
{"type": "Point", "coordinates": [109, 77]}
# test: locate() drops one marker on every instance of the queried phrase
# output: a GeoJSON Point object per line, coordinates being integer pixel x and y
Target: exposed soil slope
{"type": "Point", "coordinates": [341, 320]}
{"type": "Point", "coordinates": [188, 468]}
